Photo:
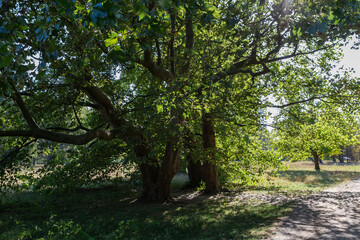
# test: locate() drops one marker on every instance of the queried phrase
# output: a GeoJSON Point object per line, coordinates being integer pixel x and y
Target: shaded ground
{"type": "Point", "coordinates": [331, 214]}
{"type": "Point", "coordinates": [114, 213]}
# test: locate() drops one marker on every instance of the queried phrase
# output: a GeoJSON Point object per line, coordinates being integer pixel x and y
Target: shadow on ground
{"type": "Point", "coordinates": [327, 215]}
{"type": "Point", "coordinates": [321, 179]}
{"type": "Point", "coordinates": [102, 215]}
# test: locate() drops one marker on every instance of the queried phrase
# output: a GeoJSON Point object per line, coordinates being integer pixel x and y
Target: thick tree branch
{"type": "Point", "coordinates": [61, 137]}
{"type": "Point", "coordinates": [25, 112]}
{"type": "Point", "coordinates": [189, 42]}
{"type": "Point", "coordinates": [100, 99]}
{"type": "Point", "coordinates": [108, 111]}
{"type": "Point", "coordinates": [67, 129]}
{"type": "Point", "coordinates": [155, 69]}
{"type": "Point", "coordinates": [171, 43]}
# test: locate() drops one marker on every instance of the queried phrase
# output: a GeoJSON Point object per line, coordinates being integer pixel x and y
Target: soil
{"type": "Point", "coordinates": [331, 214]}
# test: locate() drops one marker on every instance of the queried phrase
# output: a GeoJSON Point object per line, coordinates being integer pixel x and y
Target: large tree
{"type": "Point", "coordinates": [137, 71]}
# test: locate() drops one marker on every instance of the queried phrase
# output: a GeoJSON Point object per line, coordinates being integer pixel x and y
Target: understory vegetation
{"type": "Point", "coordinates": [113, 212]}
{"type": "Point", "coordinates": [101, 214]}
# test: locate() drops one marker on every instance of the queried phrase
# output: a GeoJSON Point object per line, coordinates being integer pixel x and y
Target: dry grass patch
{"type": "Point", "coordinates": [302, 177]}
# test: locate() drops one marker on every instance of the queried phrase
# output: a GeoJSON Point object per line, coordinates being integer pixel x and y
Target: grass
{"type": "Point", "coordinates": [301, 177]}
{"type": "Point", "coordinates": [113, 213]}
{"type": "Point", "coordinates": [107, 214]}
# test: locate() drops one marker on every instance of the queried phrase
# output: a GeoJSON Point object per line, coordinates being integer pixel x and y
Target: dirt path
{"type": "Point", "coordinates": [332, 214]}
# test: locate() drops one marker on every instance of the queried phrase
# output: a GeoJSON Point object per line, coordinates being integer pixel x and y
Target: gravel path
{"type": "Point", "coordinates": [332, 214]}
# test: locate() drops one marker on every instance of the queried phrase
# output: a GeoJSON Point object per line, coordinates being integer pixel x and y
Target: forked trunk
{"type": "Point", "coordinates": [157, 180]}
{"type": "Point", "coordinates": [316, 161]}
{"type": "Point", "coordinates": [211, 175]}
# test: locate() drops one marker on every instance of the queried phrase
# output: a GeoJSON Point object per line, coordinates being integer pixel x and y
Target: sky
{"type": "Point", "coordinates": [350, 60]}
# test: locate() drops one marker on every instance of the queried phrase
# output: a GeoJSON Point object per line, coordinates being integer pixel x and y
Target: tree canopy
{"type": "Point", "coordinates": [141, 79]}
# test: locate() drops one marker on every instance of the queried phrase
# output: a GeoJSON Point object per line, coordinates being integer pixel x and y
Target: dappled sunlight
{"type": "Point", "coordinates": [301, 176]}
{"type": "Point", "coordinates": [103, 215]}
{"type": "Point", "coordinates": [326, 215]}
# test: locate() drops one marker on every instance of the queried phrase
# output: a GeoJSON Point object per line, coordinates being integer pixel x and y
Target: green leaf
{"type": "Point", "coordinates": [142, 15]}
{"type": "Point", "coordinates": [159, 108]}
{"type": "Point", "coordinates": [5, 61]}
{"type": "Point", "coordinates": [299, 32]}
{"type": "Point", "coordinates": [110, 42]}
{"type": "Point", "coordinates": [216, 14]}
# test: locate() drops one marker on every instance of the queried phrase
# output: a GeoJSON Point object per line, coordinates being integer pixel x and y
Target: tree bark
{"type": "Point", "coordinates": [195, 172]}
{"type": "Point", "coordinates": [316, 161]}
{"type": "Point", "coordinates": [157, 179]}
{"type": "Point", "coordinates": [149, 176]}
{"type": "Point", "coordinates": [194, 166]}
{"type": "Point", "coordinates": [211, 175]}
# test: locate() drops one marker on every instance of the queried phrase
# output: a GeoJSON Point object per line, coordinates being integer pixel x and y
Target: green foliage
{"type": "Point", "coordinates": [314, 119]}
{"type": "Point", "coordinates": [321, 131]}
{"type": "Point", "coordinates": [159, 67]}
{"type": "Point", "coordinates": [201, 187]}
{"type": "Point", "coordinates": [62, 229]}
{"type": "Point", "coordinates": [246, 162]}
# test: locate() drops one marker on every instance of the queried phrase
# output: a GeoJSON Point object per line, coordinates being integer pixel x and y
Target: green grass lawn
{"type": "Point", "coordinates": [301, 177]}
{"type": "Point", "coordinates": [105, 214]}
{"type": "Point", "coordinates": [113, 213]}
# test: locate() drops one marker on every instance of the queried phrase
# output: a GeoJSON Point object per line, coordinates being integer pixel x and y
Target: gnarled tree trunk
{"type": "Point", "coordinates": [211, 175]}
{"type": "Point", "coordinates": [157, 179]}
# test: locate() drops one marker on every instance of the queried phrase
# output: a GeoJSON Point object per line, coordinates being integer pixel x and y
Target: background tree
{"type": "Point", "coordinates": [314, 132]}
